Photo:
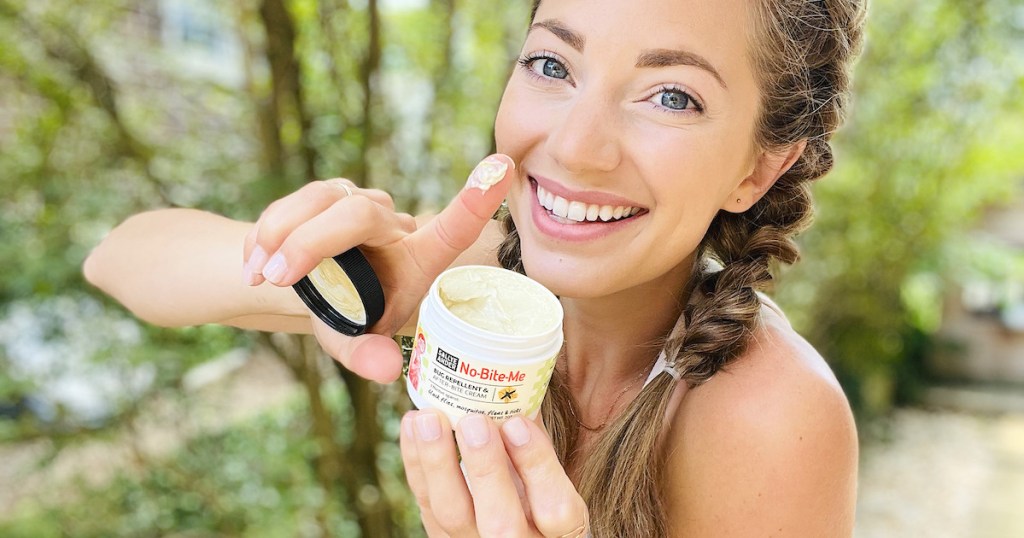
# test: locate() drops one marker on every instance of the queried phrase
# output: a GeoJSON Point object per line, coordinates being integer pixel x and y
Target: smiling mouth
{"type": "Point", "coordinates": [575, 212]}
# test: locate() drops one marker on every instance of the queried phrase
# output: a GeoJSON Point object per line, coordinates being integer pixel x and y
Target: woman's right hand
{"type": "Point", "coordinates": [322, 219]}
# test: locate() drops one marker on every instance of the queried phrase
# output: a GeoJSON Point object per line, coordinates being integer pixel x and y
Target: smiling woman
{"type": "Point", "coordinates": [703, 144]}
{"type": "Point", "coordinates": [655, 162]}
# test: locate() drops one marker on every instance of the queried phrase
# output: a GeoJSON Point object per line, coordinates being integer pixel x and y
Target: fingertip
{"type": "Point", "coordinates": [377, 358]}
{"type": "Point", "coordinates": [517, 431]}
{"type": "Point", "coordinates": [254, 264]}
{"type": "Point", "coordinates": [407, 431]}
{"type": "Point", "coordinates": [491, 174]}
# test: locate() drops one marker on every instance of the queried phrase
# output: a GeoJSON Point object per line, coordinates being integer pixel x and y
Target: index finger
{"type": "Point", "coordinates": [555, 505]}
{"type": "Point", "coordinates": [436, 245]}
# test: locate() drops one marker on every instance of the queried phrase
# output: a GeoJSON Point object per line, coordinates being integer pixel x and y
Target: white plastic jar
{"type": "Point", "coordinates": [487, 342]}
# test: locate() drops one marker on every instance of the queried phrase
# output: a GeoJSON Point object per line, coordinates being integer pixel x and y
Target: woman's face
{"type": "Point", "coordinates": [648, 105]}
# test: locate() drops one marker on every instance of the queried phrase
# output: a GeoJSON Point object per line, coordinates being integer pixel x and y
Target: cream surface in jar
{"type": "Point", "coordinates": [487, 342]}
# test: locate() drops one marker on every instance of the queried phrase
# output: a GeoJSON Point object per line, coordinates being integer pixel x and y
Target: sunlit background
{"type": "Point", "coordinates": [912, 282]}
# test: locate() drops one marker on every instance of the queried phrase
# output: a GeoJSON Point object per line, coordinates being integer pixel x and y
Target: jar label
{"type": "Point", "coordinates": [459, 384]}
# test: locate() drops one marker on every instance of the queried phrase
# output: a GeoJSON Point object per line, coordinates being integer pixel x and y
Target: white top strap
{"type": "Point", "coordinates": [662, 365]}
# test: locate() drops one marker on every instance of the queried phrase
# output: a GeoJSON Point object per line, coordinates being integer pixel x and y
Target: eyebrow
{"type": "Point", "coordinates": [651, 58]}
{"type": "Point", "coordinates": [561, 31]}
{"type": "Point", "coordinates": [671, 57]}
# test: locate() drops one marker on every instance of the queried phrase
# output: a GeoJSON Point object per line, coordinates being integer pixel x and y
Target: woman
{"type": "Point", "coordinates": [658, 155]}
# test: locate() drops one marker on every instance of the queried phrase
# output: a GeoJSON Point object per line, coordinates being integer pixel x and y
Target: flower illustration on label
{"type": "Point", "coordinates": [508, 395]}
{"type": "Point", "coordinates": [414, 362]}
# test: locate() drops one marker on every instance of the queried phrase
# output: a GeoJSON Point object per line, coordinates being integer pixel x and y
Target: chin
{"type": "Point", "coordinates": [566, 276]}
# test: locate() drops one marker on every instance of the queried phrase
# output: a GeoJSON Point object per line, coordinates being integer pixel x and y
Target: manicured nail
{"type": "Point", "coordinates": [428, 427]}
{"type": "Point", "coordinates": [487, 174]}
{"type": "Point", "coordinates": [516, 431]}
{"type": "Point", "coordinates": [407, 426]}
{"type": "Point", "coordinates": [276, 268]}
{"type": "Point", "coordinates": [254, 265]}
{"type": "Point", "coordinates": [474, 430]}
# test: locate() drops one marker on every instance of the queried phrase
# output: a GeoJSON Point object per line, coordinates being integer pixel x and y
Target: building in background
{"type": "Point", "coordinates": [982, 334]}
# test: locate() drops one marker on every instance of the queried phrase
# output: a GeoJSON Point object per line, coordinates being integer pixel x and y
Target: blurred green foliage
{"type": "Point", "coordinates": [104, 112]}
{"type": "Point", "coordinates": [251, 480]}
{"type": "Point", "coordinates": [934, 139]}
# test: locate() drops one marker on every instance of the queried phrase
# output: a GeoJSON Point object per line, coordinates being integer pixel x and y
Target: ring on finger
{"type": "Point", "coordinates": [337, 183]}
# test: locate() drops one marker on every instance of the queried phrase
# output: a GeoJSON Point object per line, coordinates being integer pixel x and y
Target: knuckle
{"type": "Point", "coordinates": [484, 471]}
{"type": "Point", "coordinates": [446, 236]}
{"type": "Point", "coordinates": [360, 210]}
{"type": "Point", "coordinates": [340, 180]}
{"type": "Point", "coordinates": [321, 189]}
{"type": "Point", "coordinates": [407, 222]}
{"type": "Point", "coordinates": [423, 500]}
{"type": "Point", "coordinates": [497, 528]}
{"type": "Point", "coordinates": [557, 517]}
{"type": "Point", "coordinates": [377, 193]}
{"type": "Point", "coordinates": [453, 517]}
{"type": "Point", "coordinates": [273, 227]}
{"type": "Point", "coordinates": [300, 247]}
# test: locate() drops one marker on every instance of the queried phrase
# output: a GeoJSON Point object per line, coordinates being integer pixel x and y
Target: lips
{"type": "Point", "coordinates": [582, 211]}
{"type": "Point", "coordinates": [579, 216]}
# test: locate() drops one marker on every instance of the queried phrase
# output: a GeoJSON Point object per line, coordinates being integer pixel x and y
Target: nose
{"type": "Point", "coordinates": [585, 137]}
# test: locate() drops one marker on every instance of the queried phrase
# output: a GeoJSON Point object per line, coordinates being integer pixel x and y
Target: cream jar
{"type": "Point", "coordinates": [487, 342]}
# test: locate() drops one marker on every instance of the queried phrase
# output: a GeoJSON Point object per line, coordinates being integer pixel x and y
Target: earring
{"type": "Point", "coordinates": [738, 200]}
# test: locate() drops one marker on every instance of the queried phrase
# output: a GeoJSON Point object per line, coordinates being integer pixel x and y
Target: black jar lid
{"type": "Point", "coordinates": [358, 270]}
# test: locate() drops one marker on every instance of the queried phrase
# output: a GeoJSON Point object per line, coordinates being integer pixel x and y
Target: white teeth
{"type": "Point", "coordinates": [579, 211]}
{"type": "Point", "coordinates": [561, 207]}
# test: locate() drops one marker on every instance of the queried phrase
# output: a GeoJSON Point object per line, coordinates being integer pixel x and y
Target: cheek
{"type": "Point", "coordinates": [696, 170]}
{"type": "Point", "coordinates": [519, 125]}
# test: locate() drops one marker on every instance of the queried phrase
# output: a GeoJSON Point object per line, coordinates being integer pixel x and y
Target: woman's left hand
{"type": "Point", "coordinates": [487, 501]}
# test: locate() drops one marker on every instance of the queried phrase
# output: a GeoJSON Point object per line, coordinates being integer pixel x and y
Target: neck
{"type": "Point", "coordinates": [612, 340]}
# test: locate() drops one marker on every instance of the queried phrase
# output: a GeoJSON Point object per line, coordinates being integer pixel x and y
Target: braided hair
{"type": "Point", "coordinates": [804, 53]}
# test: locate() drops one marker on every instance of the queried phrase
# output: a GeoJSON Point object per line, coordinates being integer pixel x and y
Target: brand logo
{"type": "Point", "coordinates": [448, 360]}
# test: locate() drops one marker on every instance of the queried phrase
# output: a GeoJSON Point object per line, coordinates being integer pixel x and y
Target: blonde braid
{"type": "Point", "coordinates": [804, 50]}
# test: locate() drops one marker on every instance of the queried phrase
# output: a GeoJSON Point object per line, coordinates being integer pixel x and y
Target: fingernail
{"type": "Point", "coordinates": [256, 261]}
{"type": "Point", "coordinates": [516, 431]}
{"type": "Point", "coordinates": [474, 430]}
{"type": "Point", "coordinates": [428, 427]}
{"type": "Point", "coordinates": [487, 174]}
{"type": "Point", "coordinates": [276, 268]}
{"type": "Point", "coordinates": [407, 426]}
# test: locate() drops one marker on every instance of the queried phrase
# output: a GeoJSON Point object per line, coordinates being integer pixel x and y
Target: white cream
{"type": "Point", "coordinates": [338, 290]}
{"type": "Point", "coordinates": [487, 174]}
{"type": "Point", "coordinates": [486, 342]}
{"type": "Point", "coordinates": [497, 301]}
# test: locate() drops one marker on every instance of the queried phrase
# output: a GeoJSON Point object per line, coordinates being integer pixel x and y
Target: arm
{"type": "Point", "coordinates": [185, 267]}
{"type": "Point", "coordinates": [180, 267]}
{"type": "Point", "coordinates": [767, 447]}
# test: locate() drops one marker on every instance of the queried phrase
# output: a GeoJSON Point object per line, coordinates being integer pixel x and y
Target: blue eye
{"type": "Point", "coordinates": [675, 100]}
{"type": "Point", "coordinates": [553, 69]}
{"type": "Point", "coordinates": [544, 66]}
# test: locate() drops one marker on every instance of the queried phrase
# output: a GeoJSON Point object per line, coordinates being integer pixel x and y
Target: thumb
{"type": "Point", "coordinates": [436, 245]}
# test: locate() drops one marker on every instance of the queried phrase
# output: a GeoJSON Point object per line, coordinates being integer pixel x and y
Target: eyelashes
{"type": "Point", "coordinates": [548, 68]}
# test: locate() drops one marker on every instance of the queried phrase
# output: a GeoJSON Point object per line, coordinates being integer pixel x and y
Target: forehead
{"type": "Point", "coordinates": [715, 29]}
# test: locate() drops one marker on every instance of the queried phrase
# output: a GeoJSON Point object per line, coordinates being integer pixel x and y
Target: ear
{"type": "Point", "coordinates": [767, 170]}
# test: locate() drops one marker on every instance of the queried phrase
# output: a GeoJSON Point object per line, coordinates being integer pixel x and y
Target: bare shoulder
{"type": "Point", "coordinates": [767, 447]}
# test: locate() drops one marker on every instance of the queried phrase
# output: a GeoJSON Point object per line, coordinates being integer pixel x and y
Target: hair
{"type": "Point", "coordinates": [803, 54]}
